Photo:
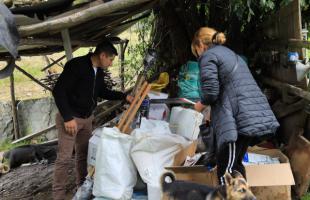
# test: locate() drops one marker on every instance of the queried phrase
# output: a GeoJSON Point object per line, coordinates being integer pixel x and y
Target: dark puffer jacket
{"type": "Point", "coordinates": [238, 105]}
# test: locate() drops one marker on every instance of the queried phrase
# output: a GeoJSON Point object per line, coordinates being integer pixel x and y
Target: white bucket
{"type": "Point", "coordinates": [173, 122]}
{"type": "Point", "coordinates": [185, 122]}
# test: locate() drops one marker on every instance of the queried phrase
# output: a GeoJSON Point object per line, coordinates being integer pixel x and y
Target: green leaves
{"type": "Point", "coordinates": [137, 47]}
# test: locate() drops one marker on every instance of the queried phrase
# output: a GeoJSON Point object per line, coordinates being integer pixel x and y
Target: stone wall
{"type": "Point", "coordinates": [6, 121]}
{"type": "Point", "coordinates": [33, 115]}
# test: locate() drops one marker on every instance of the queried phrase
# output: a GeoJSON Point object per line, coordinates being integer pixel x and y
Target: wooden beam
{"type": "Point", "coordinates": [32, 78]}
{"type": "Point", "coordinates": [291, 43]}
{"type": "Point", "coordinates": [53, 42]}
{"type": "Point", "coordinates": [112, 108]}
{"type": "Point", "coordinates": [79, 17]}
{"type": "Point", "coordinates": [14, 110]}
{"type": "Point", "coordinates": [57, 63]}
{"type": "Point", "coordinates": [28, 137]}
{"type": "Point", "coordinates": [285, 86]}
{"type": "Point", "coordinates": [58, 60]}
{"type": "Point", "coordinates": [104, 30]}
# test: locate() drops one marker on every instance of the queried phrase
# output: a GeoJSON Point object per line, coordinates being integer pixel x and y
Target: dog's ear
{"type": "Point", "coordinates": [237, 174]}
{"type": "Point", "coordinates": [228, 178]}
{"type": "Point", "coordinates": [167, 178]}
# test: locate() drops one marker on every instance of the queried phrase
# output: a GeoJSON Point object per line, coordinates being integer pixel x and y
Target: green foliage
{"type": "Point", "coordinates": [6, 145]}
{"type": "Point", "coordinates": [306, 197]}
{"type": "Point", "coordinates": [136, 50]}
{"type": "Point", "coordinates": [244, 9]}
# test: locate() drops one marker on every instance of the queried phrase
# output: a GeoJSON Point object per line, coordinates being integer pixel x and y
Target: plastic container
{"type": "Point", "coordinates": [173, 122]}
{"type": "Point", "coordinates": [185, 122]}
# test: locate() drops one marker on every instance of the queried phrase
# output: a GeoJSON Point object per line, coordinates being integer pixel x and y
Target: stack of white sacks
{"type": "Point", "coordinates": [149, 149]}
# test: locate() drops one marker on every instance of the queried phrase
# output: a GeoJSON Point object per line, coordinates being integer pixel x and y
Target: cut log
{"type": "Point", "coordinates": [32, 182]}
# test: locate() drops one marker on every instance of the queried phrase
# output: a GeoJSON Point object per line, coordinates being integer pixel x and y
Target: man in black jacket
{"type": "Point", "coordinates": [75, 93]}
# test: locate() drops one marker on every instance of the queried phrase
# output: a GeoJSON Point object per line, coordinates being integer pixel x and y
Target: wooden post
{"type": "Point", "coordinates": [67, 43]}
{"type": "Point", "coordinates": [14, 110]}
{"type": "Point", "coordinates": [123, 45]}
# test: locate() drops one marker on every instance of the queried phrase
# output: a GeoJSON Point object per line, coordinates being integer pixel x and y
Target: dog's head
{"type": "Point", "coordinates": [237, 188]}
{"type": "Point", "coordinates": [182, 190]}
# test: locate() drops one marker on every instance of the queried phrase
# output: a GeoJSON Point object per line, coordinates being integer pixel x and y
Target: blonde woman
{"type": "Point", "coordinates": [239, 110]}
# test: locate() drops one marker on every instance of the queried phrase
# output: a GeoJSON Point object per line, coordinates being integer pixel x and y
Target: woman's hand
{"type": "Point", "coordinates": [199, 106]}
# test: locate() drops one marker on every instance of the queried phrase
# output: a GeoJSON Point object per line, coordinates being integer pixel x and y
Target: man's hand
{"type": "Point", "coordinates": [199, 106]}
{"type": "Point", "coordinates": [129, 98]}
{"type": "Point", "coordinates": [71, 127]}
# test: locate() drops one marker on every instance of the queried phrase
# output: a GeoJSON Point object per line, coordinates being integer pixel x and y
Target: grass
{"type": "Point", "coordinates": [6, 145]}
{"type": "Point", "coordinates": [306, 197]}
{"type": "Point", "coordinates": [25, 88]}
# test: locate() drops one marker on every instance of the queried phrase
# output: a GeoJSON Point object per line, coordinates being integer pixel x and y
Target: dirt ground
{"type": "Point", "coordinates": [26, 90]}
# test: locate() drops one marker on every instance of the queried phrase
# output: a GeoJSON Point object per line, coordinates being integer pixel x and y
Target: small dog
{"type": "Point", "coordinates": [31, 154]}
{"type": "Point", "coordinates": [236, 188]}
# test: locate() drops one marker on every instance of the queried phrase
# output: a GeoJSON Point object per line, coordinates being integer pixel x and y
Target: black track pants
{"type": "Point", "coordinates": [230, 156]}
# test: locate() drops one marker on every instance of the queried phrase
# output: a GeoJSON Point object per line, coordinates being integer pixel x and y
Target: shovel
{"type": "Point", "coordinates": [84, 191]}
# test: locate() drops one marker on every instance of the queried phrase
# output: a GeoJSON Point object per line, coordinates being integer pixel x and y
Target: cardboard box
{"type": "Point", "coordinates": [268, 181]}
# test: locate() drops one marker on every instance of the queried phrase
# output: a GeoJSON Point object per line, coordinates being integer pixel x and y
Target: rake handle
{"type": "Point", "coordinates": [132, 105]}
{"type": "Point", "coordinates": [135, 109]}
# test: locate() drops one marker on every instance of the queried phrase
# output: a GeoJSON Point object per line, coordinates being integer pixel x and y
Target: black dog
{"type": "Point", "coordinates": [30, 154]}
{"type": "Point", "coordinates": [236, 188]}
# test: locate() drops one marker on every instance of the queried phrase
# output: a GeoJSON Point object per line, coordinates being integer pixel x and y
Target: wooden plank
{"type": "Point", "coordinates": [291, 43]}
{"type": "Point", "coordinates": [28, 137]}
{"type": "Point", "coordinates": [79, 17]}
{"type": "Point", "coordinates": [282, 109]}
{"type": "Point", "coordinates": [99, 116]}
{"type": "Point", "coordinates": [284, 86]}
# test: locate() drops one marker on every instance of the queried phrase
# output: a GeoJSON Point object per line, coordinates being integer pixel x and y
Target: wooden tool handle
{"type": "Point", "coordinates": [132, 105]}
{"type": "Point", "coordinates": [138, 84]}
{"type": "Point", "coordinates": [135, 109]}
{"type": "Point", "coordinates": [91, 171]}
